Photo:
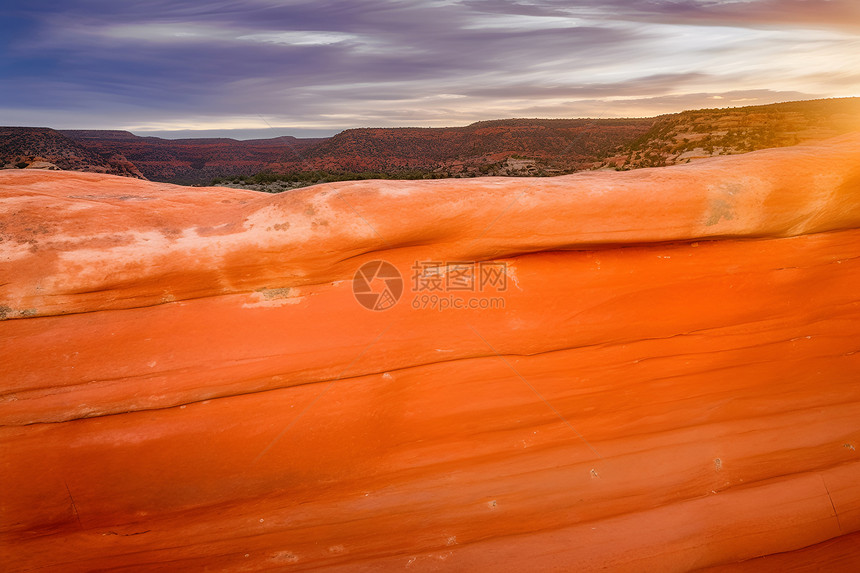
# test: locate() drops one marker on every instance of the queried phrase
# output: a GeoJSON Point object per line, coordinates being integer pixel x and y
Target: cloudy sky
{"type": "Point", "coordinates": [271, 67]}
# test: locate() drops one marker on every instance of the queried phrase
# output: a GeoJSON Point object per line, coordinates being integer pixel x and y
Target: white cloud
{"type": "Point", "coordinates": [330, 64]}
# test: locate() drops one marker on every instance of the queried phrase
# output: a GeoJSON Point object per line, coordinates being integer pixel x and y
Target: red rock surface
{"type": "Point", "coordinates": [188, 383]}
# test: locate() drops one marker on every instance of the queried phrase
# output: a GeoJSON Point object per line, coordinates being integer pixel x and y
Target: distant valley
{"type": "Point", "coordinates": [513, 147]}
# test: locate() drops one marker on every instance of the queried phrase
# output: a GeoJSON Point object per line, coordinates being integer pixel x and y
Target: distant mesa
{"type": "Point", "coordinates": [509, 147]}
{"type": "Point", "coordinates": [45, 148]}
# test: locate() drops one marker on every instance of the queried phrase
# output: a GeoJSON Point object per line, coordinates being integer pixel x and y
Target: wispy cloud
{"type": "Point", "coordinates": [797, 14]}
{"type": "Point", "coordinates": [336, 64]}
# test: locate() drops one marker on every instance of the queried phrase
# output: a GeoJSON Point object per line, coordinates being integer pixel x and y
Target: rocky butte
{"type": "Point", "coordinates": [188, 382]}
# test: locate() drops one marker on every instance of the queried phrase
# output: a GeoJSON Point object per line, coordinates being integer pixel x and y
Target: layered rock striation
{"type": "Point", "coordinates": [659, 373]}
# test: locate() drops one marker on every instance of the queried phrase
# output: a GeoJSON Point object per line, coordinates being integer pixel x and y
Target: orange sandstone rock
{"type": "Point", "coordinates": [669, 381]}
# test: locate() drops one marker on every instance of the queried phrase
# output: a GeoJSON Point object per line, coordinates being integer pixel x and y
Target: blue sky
{"type": "Point", "coordinates": [264, 67]}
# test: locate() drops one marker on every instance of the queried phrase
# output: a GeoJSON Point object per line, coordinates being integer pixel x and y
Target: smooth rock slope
{"type": "Point", "coordinates": [662, 373]}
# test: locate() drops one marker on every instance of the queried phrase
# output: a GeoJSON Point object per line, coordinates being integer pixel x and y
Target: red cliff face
{"type": "Point", "coordinates": [659, 372]}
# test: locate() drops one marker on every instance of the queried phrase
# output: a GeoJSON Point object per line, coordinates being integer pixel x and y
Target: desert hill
{"type": "Point", "coordinates": [690, 135]}
{"type": "Point", "coordinates": [193, 160]}
{"type": "Point", "coordinates": [553, 146]}
{"type": "Point", "coordinates": [520, 147]}
{"type": "Point", "coordinates": [46, 148]}
{"type": "Point", "coordinates": [535, 147]}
